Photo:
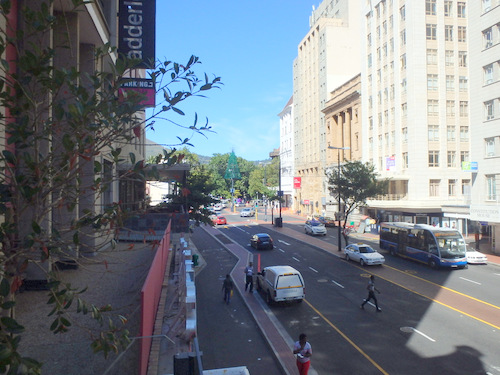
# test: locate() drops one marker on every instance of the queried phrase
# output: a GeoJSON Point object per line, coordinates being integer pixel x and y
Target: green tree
{"type": "Point", "coordinates": [356, 183]}
{"type": "Point", "coordinates": [65, 131]}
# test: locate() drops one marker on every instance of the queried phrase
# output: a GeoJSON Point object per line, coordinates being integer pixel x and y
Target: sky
{"type": "Point", "coordinates": [251, 46]}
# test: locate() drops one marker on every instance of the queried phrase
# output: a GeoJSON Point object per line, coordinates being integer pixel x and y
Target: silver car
{"type": "Point", "coordinates": [315, 228]}
{"type": "Point", "coordinates": [364, 254]}
{"type": "Point", "coordinates": [246, 212]}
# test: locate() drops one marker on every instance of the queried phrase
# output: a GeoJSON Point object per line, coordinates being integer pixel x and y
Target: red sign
{"type": "Point", "coordinates": [143, 86]}
{"type": "Point", "coordinates": [297, 181]}
{"type": "Point", "coordinates": [306, 202]}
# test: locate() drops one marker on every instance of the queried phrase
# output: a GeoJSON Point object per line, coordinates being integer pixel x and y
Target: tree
{"type": "Point", "coordinates": [66, 132]}
{"type": "Point", "coordinates": [356, 183]}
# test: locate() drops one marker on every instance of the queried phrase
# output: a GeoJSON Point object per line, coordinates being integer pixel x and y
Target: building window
{"type": "Point", "coordinates": [464, 134]}
{"type": "Point", "coordinates": [448, 33]}
{"type": "Point", "coordinates": [491, 189]}
{"type": "Point", "coordinates": [450, 108]}
{"type": "Point", "coordinates": [488, 38]}
{"type": "Point", "coordinates": [430, 7]}
{"type": "Point", "coordinates": [464, 109]}
{"type": "Point", "coordinates": [462, 34]}
{"type": "Point", "coordinates": [433, 158]}
{"type": "Point", "coordinates": [463, 84]}
{"type": "Point", "coordinates": [452, 159]}
{"type": "Point", "coordinates": [403, 61]}
{"type": "Point", "coordinates": [450, 133]}
{"type": "Point", "coordinates": [405, 160]}
{"type": "Point", "coordinates": [404, 135]}
{"type": "Point", "coordinates": [489, 110]}
{"type": "Point", "coordinates": [431, 56]}
{"type": "Point", "coordinates": [449, 58]}
{"type": "Point", "coordinates": [369, 39]}
{"type": "Point", "coordinates": [431, 31]}
{"type": "Point", "coordinates": [448, 8]}
{"type": "Point", "coordinates": [434, 188]}
{"type": "Point", "coordinates": [433, 132]}
{"type": "Point", "coordinates": [462, 59]}
{"type": "Point", "coordinates": [369, 60]}
{"type": "Point", "coordinates": [464, 156]}
{"type": "Point", "coordinates": [432, 82]}
{"type": "Point", "coordinates": [488, 74]}
{"type": "Point", "coordinates": [403, 37]}
{"type": "Point", "coordinates": [466, 188]}
{"type": "Point", "coordinates": [402, 13]}
{"type": "Point", "coordinates": [371, 123]}
{"type": "Point", "coordinates": [450, 83]}
{"type": "Point", "coordinates": [404, 109]}
{"type": "Point", "coordinates": [461, 13]}
{"type": "Point", "coordinates": [403, 86]}
{"type": "Point", "coordinates": [489, 147]}
{"type": "Point", "coordinates": [432, 107]}
{"type": "Point", "coordinates": [452, 188]}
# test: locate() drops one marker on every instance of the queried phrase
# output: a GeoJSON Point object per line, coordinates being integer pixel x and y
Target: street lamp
{"type": "Point", "coordinates": [339, 246]}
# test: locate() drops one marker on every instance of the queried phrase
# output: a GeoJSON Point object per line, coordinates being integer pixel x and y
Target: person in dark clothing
{"type": "Point", "coordinates": [249, 277]}
{"type": "Point", "coordinates": [371, 293]}
{"type": "Point", "coordinates": [227, 288]}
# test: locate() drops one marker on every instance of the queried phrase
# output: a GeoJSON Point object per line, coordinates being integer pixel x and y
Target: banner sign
{"type": "Point", "coordinates": [297, 182]}
{"type": "Point", "coordinates": [136, 35]}
{"type": "Point", "coordinates": [469, 166]}
{"type": "Point", "coordinates": [142, 85]}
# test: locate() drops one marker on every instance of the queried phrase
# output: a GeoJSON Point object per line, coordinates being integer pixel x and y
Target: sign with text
{"type": "Point", "coordinates": [469, 166]}
{"type": "Point", "coordinates": [143, 86]}
{"type": "Point", "coordinates": [136, 34]}
{"type": "Point", "coordinates": [297, 182]}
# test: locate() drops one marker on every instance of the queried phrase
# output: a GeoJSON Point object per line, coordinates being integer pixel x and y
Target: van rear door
{"type": "Point", "coordinates": [289, 286]}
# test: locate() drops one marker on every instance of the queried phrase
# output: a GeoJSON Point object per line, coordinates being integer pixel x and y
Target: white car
{"type": "Point", "coordinates": [247, 212]}
{"type": "Point", "coordinates": [475, 257]}
{"type": "Point", "coordinates": [364, 254]}
{"type": "Point", "coordinates": [315, 227]}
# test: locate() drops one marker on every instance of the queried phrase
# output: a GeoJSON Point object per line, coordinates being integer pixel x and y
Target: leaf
{"type": "Point", "coordinates": [11, 325]}
{"type": "Point", "coordinates": [178, 111]}
{"type": "Point", "coordinates": [4, 287]}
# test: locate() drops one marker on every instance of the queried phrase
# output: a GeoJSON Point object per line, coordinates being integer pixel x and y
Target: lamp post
{"type": "Point", "coordinates": [339, 246]}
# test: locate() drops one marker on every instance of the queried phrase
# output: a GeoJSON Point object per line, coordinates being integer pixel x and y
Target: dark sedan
{"type": "Point", "coordinates": [262, 241]}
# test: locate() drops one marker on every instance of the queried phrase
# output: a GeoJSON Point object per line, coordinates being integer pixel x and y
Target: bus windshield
{"type": "Point", "coordinates": [450, 246]}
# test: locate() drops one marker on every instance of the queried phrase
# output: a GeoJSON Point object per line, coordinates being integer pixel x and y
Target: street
{"type": "Point", "coordinates": [432, 321]}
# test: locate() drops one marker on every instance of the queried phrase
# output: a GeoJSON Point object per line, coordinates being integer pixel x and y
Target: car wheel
{"type": "Point", "coordinates": [393, 251]}
{"type": "Point", "coordinates": [362, 262]}
{"type": "Point", "coordinates": [347, 257]}
{"type": "Point", "coordinates": [259, 287]}
{"type": "Point", "coordinates": [432, 264]}
{"type": "Point", "coordinates": [269, 300]}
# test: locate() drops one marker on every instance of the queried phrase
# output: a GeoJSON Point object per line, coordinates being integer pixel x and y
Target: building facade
{"type": "Point", "coordinates": [286, 154]}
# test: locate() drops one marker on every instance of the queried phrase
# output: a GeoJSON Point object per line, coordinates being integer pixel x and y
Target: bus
{"type": "Point", "coordinates": [436, 247]}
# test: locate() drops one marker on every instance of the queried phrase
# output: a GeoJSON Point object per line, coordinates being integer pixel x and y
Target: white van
{"type": "Point", "coordinates": [281, 283]}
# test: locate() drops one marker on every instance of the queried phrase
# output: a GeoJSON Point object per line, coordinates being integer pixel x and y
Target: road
{"type": "Point", "coordinates": [433, 321]}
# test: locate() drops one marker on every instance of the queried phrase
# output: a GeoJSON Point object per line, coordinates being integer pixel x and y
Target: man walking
{"type": "Point", "coordinates": [371, 293]}
{"type": "Point", "coordinates": [249, 277]}
{"type": "Point", "coordinates": [227, 288]}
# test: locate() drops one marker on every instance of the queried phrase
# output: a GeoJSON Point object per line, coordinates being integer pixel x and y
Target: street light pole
{"type": "Point", "coordinates": [339, 243]}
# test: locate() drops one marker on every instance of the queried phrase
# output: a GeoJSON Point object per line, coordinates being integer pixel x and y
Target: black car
{"type": "Point", "coordinates": [262, 241]}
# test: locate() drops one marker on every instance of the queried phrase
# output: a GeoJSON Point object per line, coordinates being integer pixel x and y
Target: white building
{"type": "Point", "coordinates": [286, 153]}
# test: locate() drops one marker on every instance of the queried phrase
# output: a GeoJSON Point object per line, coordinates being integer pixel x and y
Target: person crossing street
{"type": "Point", "coordinates": [371, 293]}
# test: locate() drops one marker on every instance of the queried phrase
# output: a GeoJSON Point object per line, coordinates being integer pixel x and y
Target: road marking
{"type": "Point", "coordinates": [281, 250]}
{"type": "Point", "coordinates": [312, 269]}
{"type": "Point", "coordinates": [471, 281]}
{"type": "Point", "coordinates": [411, 329]}
{"type": "Point", "coordinates": [286, 243]}
{"type": "Point", "coordinates": [498, 274]}
{"type": "Point", "coordinates": [347, 339]}
{"type": "Point", "coordinates": [336, 283]}
{"type": "Point", "coordinates": [295, 259]}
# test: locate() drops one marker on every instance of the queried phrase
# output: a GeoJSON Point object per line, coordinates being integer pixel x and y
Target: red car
{"type": "Point", "coordinates": [220, 220]}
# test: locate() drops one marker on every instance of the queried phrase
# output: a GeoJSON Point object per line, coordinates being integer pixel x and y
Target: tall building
{"type": "Point", "coordinates": [327, 57]}
{"type": "Point", "coordinates": [286, 153]}
{"type": "Point", "coordinates": [484, 68]}
{"type": "Point", "coordinates": [415, 84]}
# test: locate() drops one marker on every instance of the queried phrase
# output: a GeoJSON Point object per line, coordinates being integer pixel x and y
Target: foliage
{"type": "Point", "coordinates": [65, 128]}
{"type": "Point", "coordinates": [356, 182]}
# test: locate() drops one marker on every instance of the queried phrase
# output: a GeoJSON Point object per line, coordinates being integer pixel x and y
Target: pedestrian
{"type": "Point", "coordinates": [227, 288]}
{"type": "Point", "coordinates": [249, 277]}
{"type": "Point", "coordinates": [304, 352]}
{"type": "Point", "coordinates": [371, 293]}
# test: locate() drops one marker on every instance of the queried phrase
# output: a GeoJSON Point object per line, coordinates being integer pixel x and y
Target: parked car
{"type": "Point", "coordinates": [281, 283]}
{"type": "Point", "coordinates": [475, 257]}
{"type": "Point", "coordinates": [328, 221]}
{"type": "Point", "coordinates": [364, 254]}
{"type": "Point", "coordinates": [220, 220]}
{"type": "Point", "coordinates": [247, 211]}
{"type": "Point", "coordinates": [262, 241]}
{"type": "Point", "coordinates": [315, 227]}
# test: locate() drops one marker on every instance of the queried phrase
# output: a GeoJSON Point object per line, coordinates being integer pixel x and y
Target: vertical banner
{"type": "Point", "coordinates": [137, 29]}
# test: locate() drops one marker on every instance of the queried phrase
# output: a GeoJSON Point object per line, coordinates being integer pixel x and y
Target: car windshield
{"type": "Point", "coordinates": [366, 249]}
{"type": "Point", "coordinates": [315, 223]}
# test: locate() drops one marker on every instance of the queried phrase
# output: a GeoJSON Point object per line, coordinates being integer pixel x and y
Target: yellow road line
{"type": "Point", "coordinates": [348, 340]}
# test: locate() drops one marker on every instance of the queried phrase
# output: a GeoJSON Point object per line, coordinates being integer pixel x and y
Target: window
{"type": "Point", "coordinates": [403, 61]}
{"type": "Point", "coordinates": [450, 83]}
{"type": "Point", "coordinates": [466, 188]}
{"type": "Point", "coordinates": [450, 133]}
{"type": "Point", "coordinates": [431, 56]}
{"type": "Point", "coordinates": [405, 160]}
{"type": "Point", "coordinates": [464, 134]}
{"type": "Point", "coordinates": [434, 188]}
{"type": "Point", "coordinates": [462, 59]}
{"type": "Point", "coordinates": [369, 39]}
{"type": "Point", "coordinates": [433, 132]}
{"type": "Point", "coordinates": [431, 31]}
{"type": "Point", "coordinates": [450, 108]}
{"type": "Point", "coordinates": [464, 156]}
{"type": "Point", "coordinates": [489, 110]}
{"type": "Point", "coordinates": [402, 13]}
{"type": "Point", "coordinates": [369, 59]}
{"type": "Point", "coordinates": [403, 37]}
{"type": "Point", "coordinates": [462, 34]}
{"type": "Point", "coordinates": [488, 74]}
{"type": "Point", "coordinates": [403, 86]}
{"type": "Point", "coordinates": [404, 135]}
{"type": "Point", "coordinates": [452, 159]}
{"type": "Point", "coordinates": [448, 8]}
{"type": "Point", "coordinates": [452, 188]}
{"type": "Point", "coordinates": [464, 109]}
{"type": "Point", "coordinates": [448, 33]}
{"type": "Point", "coordinates": [432, 82]}
{"type": "Point", "coordinates": [433, 158]}
{"type": "Point", "coordinates": [371, 123]}
{"type": "Point", "coordinates": [449, 57]}
{"type": "Point", "coordinates": [491, 189]}
{"type": "Point", "coordinates": [430, 7]}
{"type": "Point", "coordinates": [489, 147]}
{"type": "Point", "coordinates": [461, 9]}
{"type": "Point", "coordinates": [463, 83]}
{"type": "Point", "coordinates": [488, 38]}
{"type": "Point", "coordinates": [384, 27]}
{"type": "Point", "coordinates": [432, 107]}
{"type": "Point", "coordinates": [404, 109]}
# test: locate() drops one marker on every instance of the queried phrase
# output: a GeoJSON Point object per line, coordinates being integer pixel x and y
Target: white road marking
{"type": "Point", "coordinates": [286, 243]}
{"type": "Point", "coordinates": [497, 274]}
{"type": "Point", "coordinates": [471, 281]}
{"type": "Point", "coordinates": [423, 334]}
{"type": "Point", "coordinates": [295, 259]}
{"type": "Point", "coordinates": [336, 283]}
{"type": "Point", "coordinates": [281, 250]}
{"type": "Point", "coordinates": [312, 269]}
